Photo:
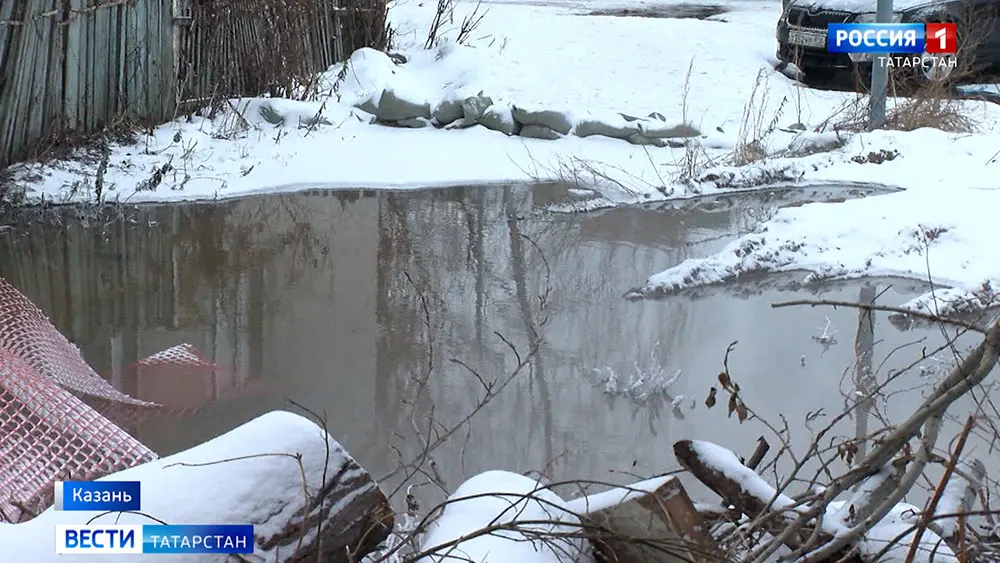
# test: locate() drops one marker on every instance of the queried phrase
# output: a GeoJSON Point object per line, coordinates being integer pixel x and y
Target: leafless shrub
{"type": "Point", "coordinates": [933, 106]}
{"type": "Point", "coordinates": [444, 15]}
{"type": "Point", "coordinates": [695, 158]}
{"type": "Point", "coordinates": [804, 523]}
{"type": "Point", "coordinates": [757, 123]}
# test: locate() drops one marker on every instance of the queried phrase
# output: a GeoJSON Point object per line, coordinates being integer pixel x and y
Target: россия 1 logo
{"type": "Point", "coordinates": [892, 38]}
{"type": "Point", "coordinates": [930, 47]}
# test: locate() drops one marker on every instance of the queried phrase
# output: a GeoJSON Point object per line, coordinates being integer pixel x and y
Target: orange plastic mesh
{"type": "Point", "coordinates": [48, 435]}
{"type": "Point", "coordinates": [59, 419]}
{"type": "Point", "coordinates": [178, 378]}
{"type": "Point", "coordinates": [27, 332]}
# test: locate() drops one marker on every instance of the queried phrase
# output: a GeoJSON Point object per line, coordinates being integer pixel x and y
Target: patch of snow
{"type": "Point", "coordinates": [959, 494]}
{"type": "Point", "coordinates": [862, 495]}
{"type": "Point", "coordinates": [499, 498]}
{"type": "Point", "coordinates": [931, 549]}
{"type": "Point", "coordinates": [827, 335]}
{"type": "Point", "coordinates": [642, 383]}
{"type": "Point", "coordinates": [727, 463]}
{"type": "Point", "coordinates": [517, 57]}
{"type": "Point", "coordinates": [897, 234]}
{"type": "Point", "coordinates": [897, 529]}
{"type": "Point", "coordinates": [616, 496]}
{"type": "Point", "coordinates": [218, 493]}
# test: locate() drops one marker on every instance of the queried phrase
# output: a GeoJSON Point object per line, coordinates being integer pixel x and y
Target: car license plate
{"type": "Point", "coordinates": [816, 40]}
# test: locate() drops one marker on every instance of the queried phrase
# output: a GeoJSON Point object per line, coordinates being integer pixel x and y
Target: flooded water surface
{"type": "Point", "coordinates": [395, 313]}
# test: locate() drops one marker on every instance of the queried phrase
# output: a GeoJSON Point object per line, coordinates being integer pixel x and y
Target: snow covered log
{"type": "Point", "coordinates": [653, 521]}
{"type": "Point", "coordinates": [739, 486]}
{"type": "Point", "coordinates": [960, 495]}
{"type": "Point", "coordinates": [504, 517]}
{"type": "Point", "coordinates": [262, 473]}
{"type": "Point", "coordinates": [721, 470]}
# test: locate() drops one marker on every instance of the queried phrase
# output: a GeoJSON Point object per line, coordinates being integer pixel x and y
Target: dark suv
{"type": "Point", "coordinates": [802, 40]}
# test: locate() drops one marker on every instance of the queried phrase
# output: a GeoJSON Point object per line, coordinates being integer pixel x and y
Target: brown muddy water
{"type": "Point", "coordinates": [344, 301]}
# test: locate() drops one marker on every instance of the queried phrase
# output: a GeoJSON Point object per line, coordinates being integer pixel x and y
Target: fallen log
{"type": "Point", "coordinates": [653, 521]}
{"type": "Point", "coordinates": [720, 470]}
{"type": "Point", "coordinates": [742, 488]}
{"type": "Point", "coordinates": [269, 472]}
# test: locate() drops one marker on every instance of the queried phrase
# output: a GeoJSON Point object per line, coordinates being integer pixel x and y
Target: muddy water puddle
{"type": "Point", "coordinates": [382, 309]}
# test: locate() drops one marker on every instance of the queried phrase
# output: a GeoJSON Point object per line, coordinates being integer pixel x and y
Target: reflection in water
{"type": "Point", "coordinates": [385, 311]}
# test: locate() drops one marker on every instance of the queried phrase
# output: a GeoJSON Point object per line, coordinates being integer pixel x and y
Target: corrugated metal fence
{"type": "Point", "coordinates": [77, 65]}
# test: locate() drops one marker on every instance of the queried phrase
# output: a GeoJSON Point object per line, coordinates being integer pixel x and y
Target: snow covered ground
{"type": "Point", "coordinates": [715, 74]}
{"type": "Point", "coordinates": [288, 453]}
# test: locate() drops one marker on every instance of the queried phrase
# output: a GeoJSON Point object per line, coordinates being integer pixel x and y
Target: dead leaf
{"type": "Point", "coordinates": [710, 401]}
{"type": "Point", "coordinates": [724, 379]}
{"type": "Point", "coordinates": [741, 412]}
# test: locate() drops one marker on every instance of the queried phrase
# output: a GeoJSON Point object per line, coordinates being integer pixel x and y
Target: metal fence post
{"type": "Point", "coordinates": [880, 74]}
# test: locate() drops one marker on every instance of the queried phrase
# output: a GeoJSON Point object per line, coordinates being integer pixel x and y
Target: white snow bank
{"type": "Point", "coordinates": [220, 493]}
{"type": "Point", "coordinates": [931, 549]}
{"type": "Point", "coordinates": [939, 228]}
{"type": "Point", "coordinates": [496, 498]}
{"type": "Point", "coordinates": [616, 496]}
{"type": "Point", "coordinates": [894, 534]}
{"type": "Point", "coordinates": [524, 55]}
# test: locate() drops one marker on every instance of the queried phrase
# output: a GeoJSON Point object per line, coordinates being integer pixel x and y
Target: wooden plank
{"type": "Point", "coordinates": [44, 71]}
{"type": "Point", "coordinates": [99, 61]}
{"type": "Point", "coordinates": [133, 78]}
{"type": "Point", "coordinates": [150, 50]}
{"type": "Point", "coordinates": [54, 99]}
{"type": "Point", "coordinates": [87, 70]}
{"type": "Point", "coordinates": [29, 75]}
{"type": "Point", "coordinates": [147, 26]}
{"type": "Point", "coordinates": [10, 37]}
{"type": "Point", "coordinates": [71, 70]}
{"type": "Point", "coordinates": [175, 48]}
{"type": "Point", "coordinates": [15, 78]}
{"type": "Point", "coordinates": [122, 78]}
{"type": "Point", "coordinates": [166, 62]}
{"type": "Point", "coordinates": [114, 60]}
{"type": "Point", "coordinates": [110, 63]}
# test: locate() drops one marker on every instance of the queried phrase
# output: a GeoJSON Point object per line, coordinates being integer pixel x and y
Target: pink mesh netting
{"type": "Point", "coordinates": [48, 434]}
{"type": "Point", "coordinates": [27, 332]}
{"type": "Point", "coordinates": [59, 420]}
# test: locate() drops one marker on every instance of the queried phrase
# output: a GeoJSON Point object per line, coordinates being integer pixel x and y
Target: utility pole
{"type": "Point", "coordinates": [880, 74]}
